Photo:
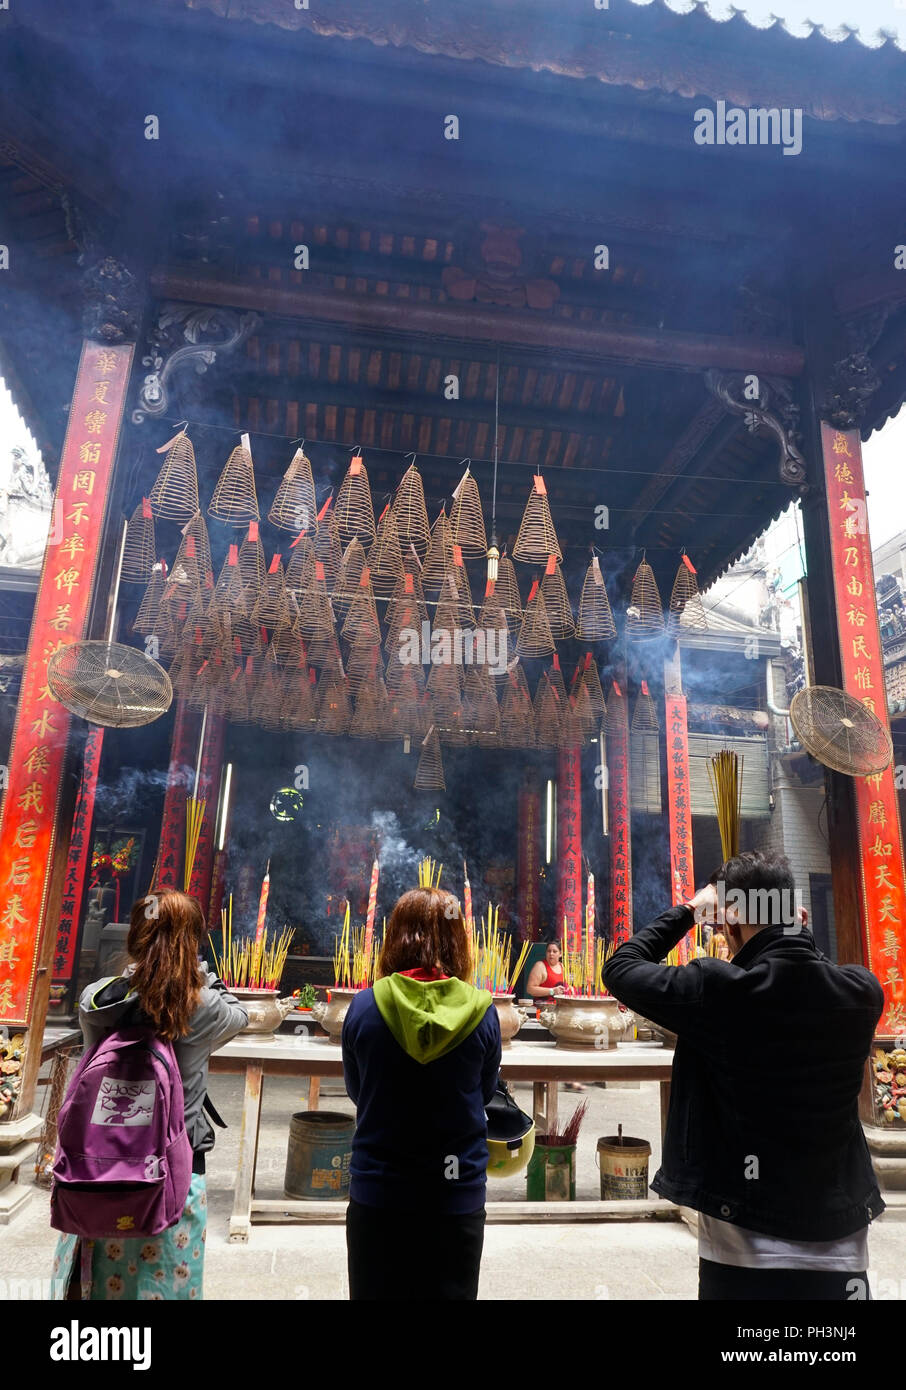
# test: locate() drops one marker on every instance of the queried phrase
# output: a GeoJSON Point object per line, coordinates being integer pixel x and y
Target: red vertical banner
{"type": "Point", "coordinates": [28, 822]}
{"type": "Point", "coordinates": [208, 788]}
{"type": "Point", "coordinates": [528, 863]}
{"type": "Point", "coordinates": [679, 801]}
{"type": "Point", "coordinates": [569, 847]}
{"type": "Point", "coordinates": [218, 883]}
{"type": "Point", "coordinates": [79, 859]}
{"type": "Point", "coordinates": [616, 728]}
{"type": "Point", "coordinates": [170, 869]}
{"type": "Point", "coordinates": [877, 812]}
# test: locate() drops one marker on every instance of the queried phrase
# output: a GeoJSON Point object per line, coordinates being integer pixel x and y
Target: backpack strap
{"type": "Point", "coordinates": [208, 1105]}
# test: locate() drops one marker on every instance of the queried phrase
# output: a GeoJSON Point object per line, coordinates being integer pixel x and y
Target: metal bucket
{"type": "Point", "coordinates": [551, 1175]}
{"type": "Point", "coordinates": [623, 1167]}
{"type": "Point", "coordinates": [319, 1155]}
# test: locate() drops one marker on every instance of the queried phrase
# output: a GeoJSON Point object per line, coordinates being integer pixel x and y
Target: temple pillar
{"type": "Point", "coordinates": [528, 851]}
{"type": "Point", "coordinates": [569, 846]}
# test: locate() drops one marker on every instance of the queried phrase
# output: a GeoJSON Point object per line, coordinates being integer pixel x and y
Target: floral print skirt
{"type": "Point", "coordinates": [165, 1266]}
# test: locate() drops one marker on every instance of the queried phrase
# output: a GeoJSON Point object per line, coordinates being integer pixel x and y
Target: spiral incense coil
{"type": "Point", "coordinates": [584, 715]}
{"type": "Point", "coordinates": [467, 520]}
{"type": "Point", "coordinates": [272, 608]}
{"type": "Point", "coordinates": [230, 594]}
{"type": "Point", "coordinates": [385, 560]}
{"type": "Point", "coordinates": [556, 602]}
{"type": "Point", "coordinates": [252, 564]}
{"type": "Point", "coordinates": [406, 610]}
{"type": "Point", "coordinates": [294, 508]}
{"type": "Point", "coordinates": [328, 547]}
{"type": "Point", "coordinates": [616, 719]}
{"type": "Point", "coordinates": [346, 586]}
{"type": "Point", "coordinates": [300, 568]}
{"type": "Point", "coordinates": [537, 538]}
{"type": "Point", "coordinates": [362, 665]}
{"type": "Point", "coordinates": [457, 591]}
{"type": "Point", "coordinates": [439, 556]}
{"type": "Point", "coordinates": [334, 711]}
{"type": "Point", "coordinates": [535, 637]}
{"type": "Point", "coordinates": [644, 716]}
{"type": "Point", "coordinates": [174, 496]}
{"type": "Point", "coordinates": [507, 590]}
{"type": "Point", "coordinates": [353, 508]}
{"type": "Point", "coordinates": [297, 703]}
{"type": "Point", "coordinates": [429, 775]}
{"type": "Point", "coordinates": [686, 607]}
{"type": "Point", "coordinates": [238, 705]}
{"type": "Point", "coordinates": [588, 676]}
{"type": "Point", "coordinates": [324, 652]}
{"type": "Point", "coordinates": [517, 719]}
{"type": "Point", "coordinates": [548, 713]}
{"type": "Point", "coordinates": [492, 618]}
{"type": "Point", "coordinates": [481, 713]}
{"type": "Point", "coordinates": [149, 608]}
{"type": "Point", "coordinates": [596, 622]}
{"type": "Point", "coordinates": [410, 513]}
{"type": "Point", "coordinates": [139, 552]}
{"type": "Point", "coordinates": [235, 500]}
{"type": "Point", "coordinates": [362, 623]}
{"type": "Point", "coordinates": [287, 645]}
{"type": "Point", "coordinates": [316, 616]}
{"type": "Point", "coordinates": [453, 733]}
{"type": "Point", "coordinates": [644, 616]}
{"type": "Point", "coordinates": [444, 687]}
{"type": "Point", "coordinates": [400, 675]}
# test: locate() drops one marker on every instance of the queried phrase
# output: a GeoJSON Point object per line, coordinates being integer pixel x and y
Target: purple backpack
{"type": "Point", "coordinates": [124, 1161]}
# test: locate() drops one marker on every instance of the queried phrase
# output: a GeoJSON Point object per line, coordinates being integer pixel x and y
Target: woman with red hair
{"type": "Point", "coordinates": [421, 1053]}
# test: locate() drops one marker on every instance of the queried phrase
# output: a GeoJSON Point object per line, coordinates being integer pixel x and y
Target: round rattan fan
{"type": "Point", "coordinates": [109, 683]}
{"type": "Point", "coordinates": [839, 731]}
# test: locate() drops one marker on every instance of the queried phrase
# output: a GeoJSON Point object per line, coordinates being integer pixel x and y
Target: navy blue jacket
{"type": "Point", "coordinates": [421, 1131]}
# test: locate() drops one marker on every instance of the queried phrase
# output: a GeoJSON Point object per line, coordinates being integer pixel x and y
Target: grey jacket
{"type": "Point", "coordinates": [108, 1004]}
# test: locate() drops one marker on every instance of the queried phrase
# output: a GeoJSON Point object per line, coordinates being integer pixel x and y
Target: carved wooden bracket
{"type": "Point", "coordinates": [186, 333]}
{"type": "Point", "coordinates": [772, 409]}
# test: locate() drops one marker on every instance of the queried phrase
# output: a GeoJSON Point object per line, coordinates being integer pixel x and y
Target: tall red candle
{"type": "Point", "coordinates": [262, 903]}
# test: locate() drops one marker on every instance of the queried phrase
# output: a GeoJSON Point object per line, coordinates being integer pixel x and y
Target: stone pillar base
{"type": "Point", "coordinates": [18, 1145]}
{"type": "Point", "coordinates": [888, 1156]}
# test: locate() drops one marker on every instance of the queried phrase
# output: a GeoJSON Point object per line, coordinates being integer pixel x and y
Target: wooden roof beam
{"type": "Point", "coordinates": [660, 348]}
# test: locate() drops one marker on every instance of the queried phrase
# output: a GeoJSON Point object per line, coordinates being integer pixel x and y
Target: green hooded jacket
{"type": "Point", "coordinates": [429, 1018]}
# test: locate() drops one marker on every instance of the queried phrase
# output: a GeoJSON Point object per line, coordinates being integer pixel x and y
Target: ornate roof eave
{"type": "Point", "coordinates": [648, 46]}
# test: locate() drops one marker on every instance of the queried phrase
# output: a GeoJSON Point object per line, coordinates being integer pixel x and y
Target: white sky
{"type": "Point", "coordinates": [884, 456]}
{"type": "Point", "coordinates": [868, 16]}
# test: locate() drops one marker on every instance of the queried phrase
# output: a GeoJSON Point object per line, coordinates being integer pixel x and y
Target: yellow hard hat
{"type": "Point", "coordinates": [511, 1135]}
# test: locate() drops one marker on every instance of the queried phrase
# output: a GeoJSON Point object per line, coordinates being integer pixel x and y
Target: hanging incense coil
{"type": "Point", "coordinates": [556, 601]}
{"type": "Point", "coordinates": [403, 675]}
{"type": "Point", "coordinates": [492, 619]}
{"type": "Point", "coordinates": [316, 616]}
{"type": "Point", "coordinates": [457, 576]}
{"type": "Point", "coordinates": [300, 569]}
{"type": "Point", "coordinates": [362, 665]}
{"type": "Point", "coordinates": [644, 616]}
{"type": "Point", "coordinates": [410, 513]}
{"type": "Point", "coordinates": [644, 716]}
{"type": "Point", "coordinates": [149, 608]}
{"type": "Point", "coordinates": [443, 686]}
{"type": "Point", "coordinates": [481, 713]}
{"type": "Point", "coordinates": [555, 676]}
{"type": "Point", "coordinates": [229, 591]}
{"type": "Point", "coordinates": [328, 547]}
{"type": "Point", "coordinates": [238, 704]}
{"type": "Point", "coordinates": [406, 611]}
{"type": "Point", "coordinates": [294, 507]}
{"type": "Point", "coordinates": [409, 712]}
{"type": "Point", "coordinates": [187, 571]}
{"type": "Point", "coordinates": [384, 558]}
{"type": "Point", "coordinates": [297, 706]}
{"type": "Point", "coordinates": [616, 719]}
{"type": "Point", "coordinates": [362, 623]}
{"type": "Point", "coordinates": [535, 637]}
{"type": "Point", "coordinates": [235, 500]}
{"type": "Point", "coordinates": [439, 556]}
{"type": "Point", "coordinates": [582, 713]}
{"type": "Point", "coordinates": [197, 529]}
{"type": "Point", "coordinates": [467, 519]}
{"type": "Point", "coordinates": [139, 552]}
{"type": "Point", "coordinates": [517, 718]}
{"type": "Point", "coordinates": [174, 496]}
{"type": "Point", "coordinates": [548, 714]}
{"type": "Point", "coordinates": [686, 607]}
{"type": "Point", "coordinates": [266, 697]}
{"type": "Point", "coordinates": [596, 622]}
{"type": "Point", "coordinates": [592, 681]}
{"type": "Point", "coordinates": [347, 583]}
{"type": "Point", "coordinates": [289, 649]}
{"type": "Point", "coordinates": [324, 652]}
{"type": "Point", "coordinates": [507, 589]}
{"type": "Point", "coordinates": [371, 716]}
{"type": "Point", "coordinates": [353, 507]}
{"type": "Point", "coordinates": [334, 711]}
{"type": "Point", "coordinates": [252, 564]}
{"type": "Point", "coordinates": [537, 538]}
{"type": "Point", "coordinates": [572, 730]}
{"type": "Point", "coordinates": [429, 775]}
{"type": "Point", "coordinates": [272, 608]}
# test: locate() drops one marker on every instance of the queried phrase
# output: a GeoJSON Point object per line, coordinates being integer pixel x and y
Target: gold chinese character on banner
{"type": "Point", "coordinates": [32, 799]}
{"type": "Point", "coordinates": [891, 947]}
{"type": "Point", "coordinates": [37, 759]}
{"type": "Point", "coordinates": [887, 913]}
{"type": "Point", "coordinates": [73, 546]}
{"type": "Point", "coordinates": [67, 579]}
{"type": "Point", "coordinates": [851, 555]}
{"type": "Point", "coordinates": [78, 513]}
{"type": "Point", "coordinates": [843, 473]}
{"type": "Point", "coordinates": [869, 703]}
{"type": "Point", "coordinates": [860, 649]}
{"type": "Point", "coordinates": [62, 618]}
{"type": "Point", "coordinates": [106, 362]}
{"type": "Point", "coordinates": [841, 445]}
{"type": "Point", "coordinates": [881, 849]}
{"type": "Point", "coordinates": [892, 978]}
{"type": "Point", "coordinates": [13, 916]}
{"type": "Point", "coordinates": [877, 813]}
{"type": "Point", "coordinates": [100, 392]}
{"type": "Point", "coordinates": [882, 877]}
{"type": "Point", "coordinates": [7, 956]}
{"type": "Point", "coordinates": [862, 677]}
{"type": "Point", "coordinates": [20, 872]}
{"type": "Point", "coordinates": [26, 834]}
{"type": "Point", "coordinates": [849, 526]}
{"type": "Point", "coordinates": [94, 421]}
{"type": "Point", "coordinates": [857, 617]}
{"type": "Point", "coordinates": [854, 586]}
{"type": "Point", "coordinates": [89, 452]}
{"type": "Point", "coordinates": [83, 481]}
{"type": "Point", "coordinates": [6, 997]}
{"type": "Point", "coordinates": [874, 779]}
{"type": "Point", "coordinates": [51, 648]}
{"type": "Point", "coordinates": [44, 724]}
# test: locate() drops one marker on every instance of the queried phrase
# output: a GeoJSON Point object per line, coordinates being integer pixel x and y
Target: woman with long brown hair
{"type": "Point", "coordinates": [166, 987]}
{"type": "Point", "coordinates": [421, 1053]}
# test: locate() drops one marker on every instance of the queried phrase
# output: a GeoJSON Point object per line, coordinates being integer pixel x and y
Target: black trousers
{"type": "Point", "coordinates": [734, 1283]}
{"type": "Point", "coordinates": [412, 1257]}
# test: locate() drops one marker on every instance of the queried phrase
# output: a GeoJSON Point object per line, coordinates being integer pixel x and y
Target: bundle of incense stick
{"type": "Point", "coordinates": [725, 776]}
{"type": "Point", "coordinates": [570, 1133]}
{"type": "Point", "coordinates": [491, 951]}
{"type": "Point", "coordinates": [194, 819]}
{"type": "Point", "coordinates": [354, 959]}
{"type": "Point", "coordinates": [245, 963]}
{"type": "Point", "coordinates": [581, 975]}
{"type": "Point", "coordinates": [429, 872]}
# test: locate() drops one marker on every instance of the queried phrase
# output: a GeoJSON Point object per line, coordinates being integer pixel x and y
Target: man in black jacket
{"type": "Point", "coordinates": [763, 1135]}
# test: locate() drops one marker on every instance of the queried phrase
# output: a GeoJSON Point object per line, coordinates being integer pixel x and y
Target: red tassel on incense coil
{"type": "Point", "coordinates": [334, 712]}
{"type": "Point", "coordinates": [139, 550]}
{"type": "Point", "coordinates": [466, 518]}
{"type": "Point", "coordinates": [353, 507]}
{"type": "Point", "coordinates": [362, 623]}
{"type": "Point", "coordinates": [410, 513]}
{"type": "Point", "coordinates": [235, 500]}
{"type": "Point", "coordinates": [535, 638]}
{"type": "Point", "coordinates": [272, 607]}
{"type": "Point", "coordinates": [592, 681]}
{"type": "Point", "coordinates": [384, 558]}
{"type": "Point", "coordinates": [555, 676]}
{"type": "Point", "coordinates": [582, 711]}
{"type": "Point", "coordinates": [616, 719]}
{"type": "Point", "coordinates": [328, 548]}
{"type": "Point", "coordinates": [316, 617]}
{"type": "Point", "coordinates": [149, 608]}
{"type": "Point", "coordinates": [644, 616]}
{"type": "Point", "coordinates": [346, 587]}
{"type": "Point", "coordinates": [406, 611]}
{"type": "Point", "coordinates": [174, 496]}
{"type": "Point", "coordinates": [686, 607]}
{"type": "Point", "coordinates": [507, 590]}
{"type": "Point", "coordinates": [556, 601]}
{"type": "Point", "coordinates": [457, 574]}
{"type": "Point", "coordinates": [252, 564]}
{"type": "Point", "coordinates": [644, 716]}
{"type": "Point", "coordinates": [230, 592]}
{"type": "Point", "coordinates": [596, 622]}
{"type": "Point", "coordinates": [439, 556]}
{"type": "Point", "coordinates": [429, 775]}
{"type": "Point", "coordinates": [238, 705]}
{"type": "Point", "coordinates": [294, 507]}
{"type": "Point", "coordinates": [537, 538]}
{"type": "Point", "coordinates": [300, 568]}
